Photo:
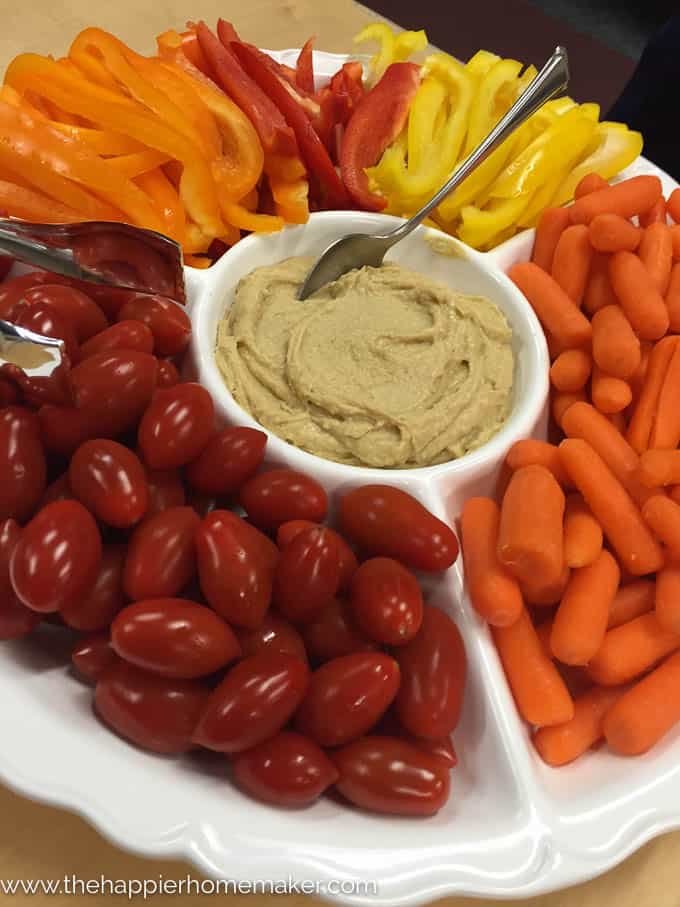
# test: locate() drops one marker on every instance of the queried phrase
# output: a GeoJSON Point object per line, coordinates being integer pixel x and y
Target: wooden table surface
{"type": "Point", "coordinates": [40, 842]}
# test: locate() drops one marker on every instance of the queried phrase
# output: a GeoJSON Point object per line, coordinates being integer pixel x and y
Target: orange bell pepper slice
{"type": "Point", "coordinates": [137, 163]}
{"type": "Point", "coordinates": [19, 201]}
{"type": "Point", "coordinates": [188, 43]}
{"type": "Point", "coordinates": [291, 199]}
{"type": "Point", "coordinates": [246, 220]}
{"type": "Point", "coordinates": [102, 141]}
{"type": "Point", "coordinates": [103, 107]}
{"type": "Point", "coordinates": [158, 187]}
{"type": "Point", "coordinates": [38, 144]}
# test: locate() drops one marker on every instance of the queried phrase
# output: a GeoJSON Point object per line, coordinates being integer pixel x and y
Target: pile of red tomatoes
{"type": "Point", "coordinates": [304, 653]}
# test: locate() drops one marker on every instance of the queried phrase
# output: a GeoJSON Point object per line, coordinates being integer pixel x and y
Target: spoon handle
{"type": "Point", "coordinates": [551, 80]}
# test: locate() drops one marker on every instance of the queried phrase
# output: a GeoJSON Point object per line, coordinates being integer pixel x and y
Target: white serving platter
{"type": "Point", "coordinates": [513, 827]}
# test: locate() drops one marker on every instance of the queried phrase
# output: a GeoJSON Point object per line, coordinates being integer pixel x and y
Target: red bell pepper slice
{"type": "Point", "coordinates": [312, 148]}
{"type": "Point", "coordinates": [227, 33]}
{"type": "Point", "coordinates": [376, 122]}
{"type": "Point", "coordinates": [304, 71]}
{"type": "Point", "coordinates": [347, 89]}
{"type": "Point", "coordinates": [275, 134]}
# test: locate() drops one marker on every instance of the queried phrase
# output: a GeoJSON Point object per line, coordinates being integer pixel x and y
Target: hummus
{"type": "Point", "coordinates": [384, 367]}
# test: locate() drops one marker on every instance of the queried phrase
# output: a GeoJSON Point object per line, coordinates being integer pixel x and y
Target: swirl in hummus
{"type": "Point", "coordinates": [384, 367]}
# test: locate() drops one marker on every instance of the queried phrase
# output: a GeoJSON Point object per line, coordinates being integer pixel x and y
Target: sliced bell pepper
{"type": "Point", "coordinates": [290, 199]}
{"type": "Point", "coordinates": [102, 107]}
{"type": "Point", "coordinates": [488, 107]}
{"type": "Point", "coordinates": [275, 134]}
{"type": "Point", "coordinates": [247, 220]}
{"type": "Point", "coordinates": [481, 227]}
{"type": "Point", "coordinates": [394, 47]}
{"type": "Point", "coordinates": [376, 122]}
{"type": "Point", "coordinates": [137, 163]}
{"type": "Point", "coordinates": [614, 147]}
{"type": "Point", "coordinates": [347, 89]}
{"type": "Point", "coordinates": [312, 148]}
{"type": "Point", "coordinates": [189, 44]}
{"type": "Point", "coordinates": [159, 188]}
{"type": "Point", "coordinates": [100, 140]}
{"type": "Point", "coordinates": [480, 63]}
{"type": "Point", "coordinates": [202, 262]}
{"type": "Point", "coordinates": [28, 204]}
{"type": "Point", "coordinates": [227, 33]}
{"type": "Point", "coordinates": [304, 70]}
{"type": "Point", "coordinates": [284, 169]}
{"type": "Point", "coordinates": [90, 66]}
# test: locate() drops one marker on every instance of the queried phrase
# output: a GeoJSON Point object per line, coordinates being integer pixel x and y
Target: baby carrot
{"type": "Point", "coordinates": [530, 452]}
{"type": "Point", "coordinates": [638, 295]}
{"type": "Point", "coordinates": [570, 370]}
{"type": "Point", "coordinates": [563, 743]}
{"type": "Point", "coordinates": [673, 205]}
{"type": "Point", "coordinates": [541, 595]}
{"type": "Point", "coordinates": [656, 254]}
{"type": "Point", "coordinates": [616, 348]}
{"type": "Point", "coordinates": [655, 215]}
{"type": "Point", "coordinates": [613, 508]}
{"type": "Point", "coordinates": [561, 403]}
{"type": "Point", "coordinates": [675, 239]}
{"type": "Point", "coordinates": [530, 537]}
{"type": "Point", "coordinates": [630, 602]}
{"type": "Point", "coordinates": [627, 198]}
{"type": "Point", "coordinates": [582, 533]}
{"type": "Point", "coordinates": [599, 291]}
{"type": "Point", "coordinates": [665, 434]}
{"type": "Point", "coordinates": [644, 714]}
{"type": "Point", "coordinates": [659, 467]}
{"type": "Point", "coordinates": [674, 494]}
{"type": "Point", "coordinates": [637, 379]}
{"type": "Point", "coordinates": [544, 631]}
{"type": "Point", "coordinates": [673, 298]}
{"type": "Point", "coordinates": [540, 693]}
{"type": "Point", "coordinates": [609, 395]}
{"type": "Point", "coordinates": [571, 262]}
{"type": "Point", "coordinates": [667, 602]}
{"type": "Point", "coordinates": [591, 182]}
{"type": "Point", "coordinates": [555, 348]}
{"type": "Point", "coordinates": [494, 592]}
{"type": "Point", "coordinates": [585, 422]}
{"type": "Point", "coordinates": [642, 420]}
{"type": "Point", "coordinates": [555, 310]}
{"type": "Point", "coordinates": [631, 649]}
{"type": "Point", "coordinates": [619, 421]}
{"type": "Point", "coordinates": [580, 623]}
{"type": "Point", "coordinates": [553, 221]}
{"type": "Point", "coordinates": [663, 517]}
{"type": "Point", "coordinates": [612, 233]}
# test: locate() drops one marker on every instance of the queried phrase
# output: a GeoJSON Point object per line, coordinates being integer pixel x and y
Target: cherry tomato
{"type": "Point", "coordinates": [114, 388]}
{"type": "Point", "coordinates": [15, 289]}
{"type": "Point", "coordinates": [15, 619]}
{"type": "Point", "coordinates": [386, 601]}
{"type": "Point", "coordinates": [35, 390]}
{"type": "Point", "coordinates": [6, 262]}
{"type": "Point", "coordinates": [287, 770]}
{"type": "Point", "coordinates": [387, 775]}
{"type": "Point", "coordinates": [173, 637]}
{"type": "Point", "coordinates": [93, 656]}
{"type": "Point", "coordinates": [23, 469]}
{"type": "Point", "coordinates": [267, 550]}
{"type": "Point", "coordinates": [57, 558]}
{"type": "Point", "coordinates": [253, 702]}
{"type": "Point", "coordinates": [348, 559]}
{"type": "Point", "coordinates": [273, 635]}
{"type": "Point", "coordinates": [110, 481]}
{"type": "Point", "coordinates": [433, 670]}
{"type": "Point", "coordinates": [73, 306]}
{"type": "Point", "coordinates": [99, 605]}
{"type": "Point", "coordinates": [168, 322]}
{"type": "Point", "coordinates": [167, 376]}
{"type": "Point", "coordinates": [275, 497]}
{"type": "Point", "coordinates": [64, 428]}
{"type": "Point", "coordinates": [161, 557]}
{"type": "Point", "coordinates": [443, 748]}
{"type": "Point", "coordinates": [231, 458]}
{"type": "Point", "coordinates": [157, 713]}
{"type": "Point", "coordinates": [347, 696]}
{"type": "Point", "coordinates": [59, 490]}
{"type": "Point", "coordinates": [307, 575]}
{"type": "Point", "coordinates": [177, 426]}
{"type": "Point", "coordinates": [332, 634]}
{"type": "Point", "coordinates": [386, 521]}
{"type": "Point", "coordinates": [234, 577]}
{"type": "Point", "coordinates": [9, 393]}
{"type": "Point", "coordinates": [165, 490]}
{"type": "Point", "coordinates": [126, 335]}
{"type": "Point", "coordinates": [43, 319]}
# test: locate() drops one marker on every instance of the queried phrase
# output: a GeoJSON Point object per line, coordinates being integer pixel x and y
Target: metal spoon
{"type": "Point", "coordinates": [359, 249]}
{"type": "Point", "coordinates": [110, 254]}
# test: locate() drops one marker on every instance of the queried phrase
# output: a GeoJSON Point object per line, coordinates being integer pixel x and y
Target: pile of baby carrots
{"type": "Point", "coordinates": [577, 569]}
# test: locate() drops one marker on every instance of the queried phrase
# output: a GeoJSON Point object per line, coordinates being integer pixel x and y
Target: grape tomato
{"type": "Point", "coordinates": [109, 480]}
{"type": "Point", "coordinates": [177, 426]}
{"type": "Point", "coordinates": [280, 495]}
{"type": "Point", "coordinates": [230, 458]}
{"type": "Point", "coordinates": [161, 555]}
{"type": "Point", "coordinates": [167, 321]}
{"type": "Point", "coordinates": [23, 469]}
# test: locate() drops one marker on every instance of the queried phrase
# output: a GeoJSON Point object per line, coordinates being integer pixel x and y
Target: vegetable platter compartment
{"type": "Point", "coordinates": [512, 828]}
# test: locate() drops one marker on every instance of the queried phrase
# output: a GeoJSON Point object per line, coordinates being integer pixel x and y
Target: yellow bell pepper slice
{"type": "Point", "coordinates": [480, 63]}
{"type": "Point", "coordinates": [429, 102]}
{"type": "Point", "coordinates": [480, 227]}
{"type": "Point", "coordinates": [393, 47]}
{"type": "Point", "coordinates": [566, 137]}
{"type": "Point", "coordinates": [487, 107]}
{"type": "Point", "coordinates": [616, 147]}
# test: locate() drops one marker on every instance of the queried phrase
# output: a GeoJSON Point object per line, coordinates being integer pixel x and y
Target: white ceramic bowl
{"type": "Point", "coordinates": [465, 270]}
{"type": "Point", "coordinates": [512, 828]}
